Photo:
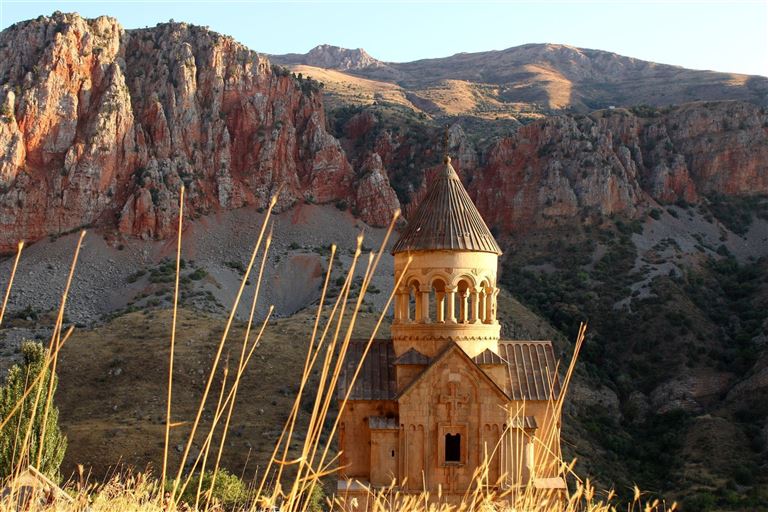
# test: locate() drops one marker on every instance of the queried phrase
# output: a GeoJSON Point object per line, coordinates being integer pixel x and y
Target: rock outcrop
{"type": "Point", "coordinates": [104, 125]}
{"type": "Point", "coordinates": [332, 57]}
{"type": "Point", "coordinates": [570, 168]}
{"type": "Point", "coordinates": [613, 161]}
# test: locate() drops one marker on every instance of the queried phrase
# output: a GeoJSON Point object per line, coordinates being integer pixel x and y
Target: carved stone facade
{"type": "Point", "coordinates": [445, 394]}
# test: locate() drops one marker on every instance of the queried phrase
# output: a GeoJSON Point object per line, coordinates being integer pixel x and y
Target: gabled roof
{"type": "Point", "coordinates": [532, 369]}
{"type": "Point", "coordinates": [452, 348]}
{"type": "Point", "coordinates": [487, 356]}
{"type": "Point", "coordinates": [531, 366]}
{"type": "Point", "coordinates": [376, 380]}
{"type": "Point", "coordinates": [447, 219]}
{"type": "Point", "coordinates": [413, 356]}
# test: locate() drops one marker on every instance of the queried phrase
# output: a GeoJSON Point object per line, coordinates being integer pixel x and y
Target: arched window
{"type": "Point", "coordinates": [414, 301]}
{"type": "Point", "coordinates": [438, 288]}
{"type": "Point", "coordinates": [452, 448]}
{"type": "Point", "coordinates": [464, 293]}
{"type": "Point", "coordinates": [482, 303]}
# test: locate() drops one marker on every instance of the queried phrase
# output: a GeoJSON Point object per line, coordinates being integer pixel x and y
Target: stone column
{"type": "Point", "coordinates": [450, 296]}
{"type": "Point", "coordinates": [481, 305]}
{"type": "Point", "coordinates": [490, 296]}
{"type": "Point", "coordinates": [425, 291]}
{"type": "Point", "coordinates": [475, 306]}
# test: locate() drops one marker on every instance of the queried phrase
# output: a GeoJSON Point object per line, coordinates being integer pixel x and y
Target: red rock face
{"type": "Point", "coordinates": [561, 168]}
{"type": "Point", "coordinates": [102, 125]}
{"type": "Point", "coordinates": [105, 125]}
{"type": "Point", "coordinates": [374, 197]}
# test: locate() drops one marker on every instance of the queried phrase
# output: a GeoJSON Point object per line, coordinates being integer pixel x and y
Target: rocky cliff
{"type": "Point", "coordinates": [569, 168]}
{"type": "Point", "coordinates": [613, 161]}
{"type": "Point", "coordinates": [104, 125]}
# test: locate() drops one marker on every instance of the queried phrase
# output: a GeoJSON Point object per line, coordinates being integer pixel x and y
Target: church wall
{"type": "Point", "coordinates": [355, 436]}
{"type": "Point", "coordinates": [450, 399]}
{"type": "Point", "coordinates": [545, 449]}
{"type": "Point", "coordinates": [385, 450]}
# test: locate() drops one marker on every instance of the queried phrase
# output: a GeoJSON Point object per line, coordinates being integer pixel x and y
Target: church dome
{"type": "Point", "coordinates": [447, 219]}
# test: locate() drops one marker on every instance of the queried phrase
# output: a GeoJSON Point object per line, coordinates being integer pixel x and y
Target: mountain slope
{"type": "Point", "coordinates": [547, 77]}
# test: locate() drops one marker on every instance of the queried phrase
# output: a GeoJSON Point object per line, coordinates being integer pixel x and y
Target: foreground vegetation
{"type": "Point", "coordinates": [303, 455]}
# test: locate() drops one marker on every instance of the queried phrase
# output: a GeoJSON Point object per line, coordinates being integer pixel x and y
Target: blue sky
{"type": "Point", "coordinates": [724, 36]}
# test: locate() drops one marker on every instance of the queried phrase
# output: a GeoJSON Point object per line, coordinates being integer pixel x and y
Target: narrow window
{"type": "Point", "coordinates": [393, 453]}
{"type": "Point", "coordinates": [452, 447]}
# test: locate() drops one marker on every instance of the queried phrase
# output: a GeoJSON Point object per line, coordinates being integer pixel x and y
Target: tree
{"type": "Point", "coordinates": [20, 377]}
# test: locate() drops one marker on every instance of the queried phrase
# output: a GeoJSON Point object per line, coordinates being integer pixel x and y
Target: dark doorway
{"type": "Point", "coordinates": [452, 447]}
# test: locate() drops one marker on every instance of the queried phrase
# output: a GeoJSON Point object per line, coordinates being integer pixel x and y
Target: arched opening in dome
{"type": "Point", "coordinates": [438, 289]}
{"type": "Point", "coordinates": [482, 303]}
{"type": "Point", "coordinates": [413, 312]}
{"type": "Point", "coordinates": [464, 292]}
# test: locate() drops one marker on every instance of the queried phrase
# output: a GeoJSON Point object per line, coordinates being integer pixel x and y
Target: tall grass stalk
{"type": "Point", "coordinates": [53, 349]}
{"type": "Point", "coordinates": [173, 343]}
{"type": "Point", "coordinates": [219, 350]}
{"type": "Point", "coordinates": [10, 281]}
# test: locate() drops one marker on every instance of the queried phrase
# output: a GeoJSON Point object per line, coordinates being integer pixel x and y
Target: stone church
{"type": "Point", "coordinates": [445, 393]}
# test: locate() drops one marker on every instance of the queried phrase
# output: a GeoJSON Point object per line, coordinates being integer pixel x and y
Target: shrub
{"type": "Point", "coordinates": [54, 443]}
{"type": "Point", "coordinates": [198, 274]}
{"type": "Point", "coordinates": [228, 489]}
{"type": "Point", "coordinates": [135, 276]}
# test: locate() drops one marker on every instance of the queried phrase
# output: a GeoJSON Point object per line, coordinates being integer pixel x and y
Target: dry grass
{"type": "Point", "coordinates": [303, 454]}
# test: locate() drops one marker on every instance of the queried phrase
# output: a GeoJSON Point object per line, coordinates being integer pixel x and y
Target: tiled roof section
{"type": "Point", "coordinates": [376, 380]}
{"type": "Point", "coordinates": [524, 422]}
{"type": "Point", "coordinates": [532, 369]}
{"type": "Point", "coordinates": [412, 356]}
{"type": "Point", "coordinates": [382, 423]}
{"type": "Point", "coordinates": [447, 219]}
{"type": "Point", "coordinates": [487, 356]}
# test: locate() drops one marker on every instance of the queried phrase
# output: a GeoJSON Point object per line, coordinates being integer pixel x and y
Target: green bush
{"type": "Point", "coordinates": [135, 276]}
{"type": "Point", "coordinates": [228, 490]}
{"type": "Point", "coordinates": [198, 274]}
{"type": "Point", "coordinates": [54, 443]}
{"type": "Point", "coordinates": [699, 502]}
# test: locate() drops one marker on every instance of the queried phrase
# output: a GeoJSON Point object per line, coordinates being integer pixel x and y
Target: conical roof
{"type": "Point", "coordinates": [447, 219]}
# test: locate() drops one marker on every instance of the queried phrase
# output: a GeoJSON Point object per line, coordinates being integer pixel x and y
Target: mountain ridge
{"type": "Point", "coordinates": [548, 76]}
